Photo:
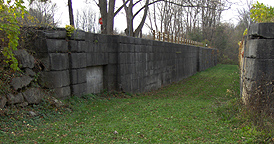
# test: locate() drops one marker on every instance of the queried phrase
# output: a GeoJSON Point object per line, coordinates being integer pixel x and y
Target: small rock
{"type": "Point", "coordinates": [68, 109]}
{"type": "Point", "coordinates": [3, 101]}
{"type": "Point", "coordinates": [33, 95]}
{"type": "Point", "coordinates": [20, 82]}
{"type": "Point", "coordinates": [115, 132]}
{"type": "Point", "coordinates": [15, 99]}
{"type": "Point", "coordinates": [24, 104]}
{"type": "Point", "coordinates": [30, 72]}
{"type": "Point", "coordinates": [32, 113]}
{"type": "Point", "coordinates": [57, 103]}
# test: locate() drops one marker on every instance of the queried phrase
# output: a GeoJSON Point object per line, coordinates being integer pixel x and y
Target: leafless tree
{"type": "Point", "coordinates": [181, 17]}
{"type": "Point", "coordinates": [71, 16]}
{"type": "Point", "coordinates": [108, 12]}
{"type": "Point", "coordinates": [42, 13]}
{"type": "Point", "coordinates": [86, 20]}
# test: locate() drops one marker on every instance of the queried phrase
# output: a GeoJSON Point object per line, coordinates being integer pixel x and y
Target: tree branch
{"type": "Point", "coordinates": [120, 8]}
{"type": "Point", "coordinates": [191, 5]}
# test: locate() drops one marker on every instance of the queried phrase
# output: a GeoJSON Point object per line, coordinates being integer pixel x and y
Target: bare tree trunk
{"type": "Point", "coordinates": [139, 28]}
{"type": "Point", "coordinates": [129, 16]}
{"type": "Point", "coordinates": [104, 13]}
{"type": "Point", "coordinates": [71, 19]}
{"type": "Point", "coordinates": [110, 17]}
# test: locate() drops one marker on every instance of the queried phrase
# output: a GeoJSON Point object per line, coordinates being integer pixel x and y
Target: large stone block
{"type": "Point", "coordinates": [33, 95]}
{"type": "Point", "coordinates": [78, 35]}
{"type": "Point", "coordinates": [113, 47]}
{"type": "Point", "coordinates": [100, 38]}
{"type": "Point", "coordinates": [89, 37]}
{"type": "Point", "coordinates": [112, 38]}
{"type": "Point", "coordinates": [59, 61]}
{"type": "Point", "coordinates": [24, 58]}
{"type": "Point", "coordinates": [262, 30]}
{"type": "Point", "coordinates": [260, 48]}
{"type": "Point", "coordinates": [78, 76]}
{"type": "Point", "coordinates": [56, 34]}
{"type": "Point", "coordinates": [20, 82]}
{"type": "Point", "coordinates": [78, 60]}
{"type": "Point", "coordinates": [256, 69]}
{"type": "Point", "coordinates": [14, 99]}
{"type": "Point", "coordinates": [126, 40]}
{"type": "Point", "coordinates": [62, 92]}
{"type": "Point", "coordinates": [54, 79]}
{"type": "Point", "coordinates": [78, 46]}
{"type": "Point", "coordinates": [100, 47]}
{"type": "Point", "coordinates": [79, 89]}
{"type": "Point", "coordinates": [3, 101]}
{"type": "Point", "coordinates": [53, 45]}
{"type": "Point", "coordinates": [112, 58]}
{"type": "Point", "coordinates": [90, 59]}
{"type": "Point", "coordinates": [94, 79]}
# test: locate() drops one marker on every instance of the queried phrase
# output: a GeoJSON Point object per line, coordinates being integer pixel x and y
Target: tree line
{"type": "Point", "coordinates": [198, 20]}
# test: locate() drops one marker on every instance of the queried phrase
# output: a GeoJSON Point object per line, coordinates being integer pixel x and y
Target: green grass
{"type": "Point", "coordinates": [199, 109]}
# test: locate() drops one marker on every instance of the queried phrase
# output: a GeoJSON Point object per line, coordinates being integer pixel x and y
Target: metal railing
{"type": "Point", "coordinates": [173, 39]}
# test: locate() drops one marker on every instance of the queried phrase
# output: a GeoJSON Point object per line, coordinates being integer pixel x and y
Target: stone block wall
{"type": "Point", "coordinates": [89, 63]}
{"type": "Point", "coordinates": [258, 61]}
{"type": "Point", "coordinates": [52, 48]}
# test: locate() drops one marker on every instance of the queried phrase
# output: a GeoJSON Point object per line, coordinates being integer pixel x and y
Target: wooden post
{"type": "Point", "coordinates": [159, 36]}
{"type": "Point", "coordinates": [153, 32]}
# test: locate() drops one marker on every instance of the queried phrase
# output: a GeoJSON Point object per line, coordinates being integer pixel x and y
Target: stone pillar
{"type": "Point", "coordinates": [258, 63]}
{"type": "Point", "coordinates": [51, 48]}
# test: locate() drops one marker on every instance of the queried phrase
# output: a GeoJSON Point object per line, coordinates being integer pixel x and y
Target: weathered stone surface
{"type": "Point", "coordinates": [24, 58]}
{"type": "Point", "coordinates": [259, 48]}
{"type": "Point", "coordinates": [54, 45]}
{"type": "Point", "coordinates": [59, 61]}
{"type": "Point", "coordinates": [263, 30]}
{"type": "Point", "coordinates": [78, 60]}
{"type": "Point", "coordinates": [78, 76]}
{"type": "Point", "coordinates": [24, 104]}
{"type": "Point", "coordinates": [20, 82]}
{"type": "Point", "coordinates": [77, 46]}
{"type": "Point", "coordinates": [63, 92]}
{"type": "Point", "coordinates": [30, 72]}
{"type": "Point", "coordinates": [33, 95]}
{"type": "Point", "coordinates": [79, 89]}
{"type": "Point", "coordinates": [3, 101]}
{"type": "Point", "coordinates": [54, 79]}
{"type": "Point", "coordinates": [56, 102]}
{"type": "Point", "coordinates": [256, 69]}
{"type": "Point", "coordinates": [61, 34]}
{"type": "Point", "coordinates": [78, 35]}
{"type": "Point", "coordinates": [14, 99]}
{"type": "Point", "coordinates": [32, 113]}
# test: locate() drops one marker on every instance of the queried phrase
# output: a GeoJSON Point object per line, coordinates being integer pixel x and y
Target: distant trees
{"type": "Point", "coordinates": [86, 20]}
{"type": "Point", "coordinates": [184, 17]}
{"type": "Point", "coordinates": [41, 14]}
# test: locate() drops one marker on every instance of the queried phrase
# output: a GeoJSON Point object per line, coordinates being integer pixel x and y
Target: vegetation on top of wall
{"type": "Point", "coordinates": [261, 13]}
{"type": "Point", "coordinates": [70, 30]}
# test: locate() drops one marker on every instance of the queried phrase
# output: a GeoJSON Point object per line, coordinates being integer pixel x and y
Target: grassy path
{"type": "Point", "coordinates": [185, 112]}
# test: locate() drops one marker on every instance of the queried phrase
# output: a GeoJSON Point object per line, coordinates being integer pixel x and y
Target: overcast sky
{"type": "Point", "coordinates": [120, 21]}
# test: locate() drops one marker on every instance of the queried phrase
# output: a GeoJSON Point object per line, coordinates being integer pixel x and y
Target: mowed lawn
{"type": "Point", "coordinates": [184, 112]}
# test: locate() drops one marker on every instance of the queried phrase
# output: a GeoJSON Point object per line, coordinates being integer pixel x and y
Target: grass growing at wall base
{"type": "Point", "coordinates": [201, 109]}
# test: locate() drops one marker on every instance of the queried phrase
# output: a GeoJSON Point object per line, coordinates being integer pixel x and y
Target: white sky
{"type": "Point", "coordinates": [120, 21]}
